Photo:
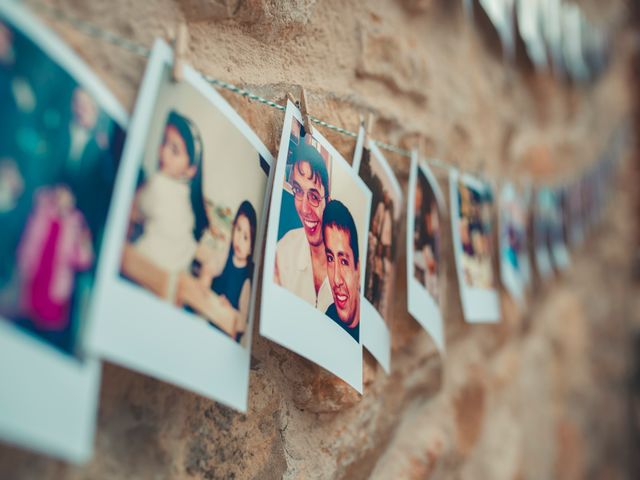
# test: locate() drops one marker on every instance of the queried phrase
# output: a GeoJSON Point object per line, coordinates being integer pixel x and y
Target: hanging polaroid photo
{"type": "Point", "coordinates": [316, 253]}
{"type": "Point", "coordinates": [471, 203]}
{"type": "Point", "coordinates": [500, 12]}
{"type": "Point", "coordinates": [424, 253]}
{"type": "Point", "coordinates": [176, 292]}
{"type": "Point", "coordinates": [379, 282]}
{"type": "Point", "coordinates": [514, 250]}
{"type": "Point", "coordinates": [529, 16]}
{"type": "Point", "coordinates": [61, 133]}
{"type": "Point", "coordinates": [543, 225]}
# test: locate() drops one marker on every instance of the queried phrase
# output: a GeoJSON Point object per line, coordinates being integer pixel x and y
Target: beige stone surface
{"type": "Point", "coordinates": [541, 395]}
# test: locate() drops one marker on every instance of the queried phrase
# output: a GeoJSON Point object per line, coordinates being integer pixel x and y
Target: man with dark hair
{"type": "Point", "coordinates": [343, 266]}
{"type": "Point", "coordinates": [301, 263]}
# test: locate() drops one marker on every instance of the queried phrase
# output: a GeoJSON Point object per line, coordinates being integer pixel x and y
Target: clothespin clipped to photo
{"type": "Point", "coordinates": [180, 48]}
{"type": "Point", "coordinates": [290, 97]}
{"type": "Point", "coordinates": [306, 119]}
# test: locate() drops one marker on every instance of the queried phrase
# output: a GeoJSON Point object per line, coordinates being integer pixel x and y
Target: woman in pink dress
{"type": "Point", "coordinates": [55, 246]}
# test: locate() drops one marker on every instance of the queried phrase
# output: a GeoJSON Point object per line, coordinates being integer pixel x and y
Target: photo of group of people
{"type": "Point", "coordinates": [383, 242]}
{"type": "Point", "coordinates": [61, 135]}
{"type": "Point", "coordinates": [185, 239]}
{"type": "Point", "coordinates": [426, 236]}
{"type": "Point", "coordinates": [59, 153]}
{"type": "Point", "coordinates": [386, 206]}
{"type": "Point", "coordinates": [316, 248]}
{"type": "Point", "coordinates": [474, 225]}
{"type": "Point", "coordinates": [184, 230]}
{"type": "Point", "coordinates": [471, 225]}
{"type": "Point", "coordinates": [424, 249]}
{"type": "Point", "coordinates": [514, 257]}
{"type": "Point", "coordinates": [318, 258]}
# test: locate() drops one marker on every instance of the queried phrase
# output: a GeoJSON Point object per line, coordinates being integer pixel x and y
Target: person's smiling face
{"type": "Point", "coordinates": [310, 200]}
{"type": "Point", "coordinates": [343, 274]}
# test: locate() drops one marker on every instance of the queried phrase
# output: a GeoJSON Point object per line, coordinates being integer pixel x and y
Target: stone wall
{"type": "Point", "coordinates": [541, 395]}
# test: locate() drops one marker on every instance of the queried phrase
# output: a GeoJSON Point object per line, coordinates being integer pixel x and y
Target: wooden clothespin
{"type": "Point", "coordinates": [289, 97]}
{"type": "Point", "coordinates": [180, 48]}
{"type": "Point", "coordinates": [306, 119]}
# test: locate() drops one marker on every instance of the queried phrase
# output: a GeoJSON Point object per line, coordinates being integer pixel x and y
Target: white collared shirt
{"type": "Point", "coordinates": [293, 261]}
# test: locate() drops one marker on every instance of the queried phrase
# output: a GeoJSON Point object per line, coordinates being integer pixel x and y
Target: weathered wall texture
{"type": "Point", "coordinates": [541, 395]}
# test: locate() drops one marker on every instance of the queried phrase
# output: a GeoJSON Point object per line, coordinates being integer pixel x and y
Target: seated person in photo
{"type": "Point", "coordinates": [343, 267]}
{"type": "Point", "coordinates": [232, 282]}
{"type": "Point", "coordinates": [301, 262]}
{"type": "Point", "coordinates": [170, 205]}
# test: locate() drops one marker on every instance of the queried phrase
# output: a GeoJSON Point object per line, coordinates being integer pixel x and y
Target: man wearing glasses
{"type": "Point", "coordinates": [301, 261]}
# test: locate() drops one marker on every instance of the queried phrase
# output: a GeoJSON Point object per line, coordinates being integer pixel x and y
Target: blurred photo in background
{"type": "Point", "coordinates": [59, 152]}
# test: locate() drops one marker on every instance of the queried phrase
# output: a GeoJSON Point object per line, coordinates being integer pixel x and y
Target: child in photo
{"type": "Point", "coordinates": [231, 281]}
{"type": "Point", "coordinates": [170, 205]}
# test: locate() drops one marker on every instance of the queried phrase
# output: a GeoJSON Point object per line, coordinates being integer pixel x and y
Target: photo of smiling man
{"type": "Point", "coordinates": [343, 266]}
{"type": "Point", "coordinates": [301, 264]}
{"type": "Point", "coordinates": [313, 284]}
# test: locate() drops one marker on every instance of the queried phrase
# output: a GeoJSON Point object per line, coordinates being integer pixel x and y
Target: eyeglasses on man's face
{"type": "Point", "coordinates": [313, 196]}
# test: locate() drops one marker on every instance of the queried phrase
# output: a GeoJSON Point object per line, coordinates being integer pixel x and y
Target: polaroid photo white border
{"type": "Point", "coordinates": [48, 399]}
{"type": "Point", "coordinates": [540, 247]}
{"type": "Point", "coordinates": [421, 305]}
{"type": "Point", "coordinates": [374, 332]}
{"type": "Point", "coordinates": [572, 41]}
{"type": "Point", "coordinates": [500, 12]}
{"type": "Point", "coordinates": [479, 305]}
{"type": "Point", "coordinates": [289, 320]}
{"type": "Point", "coordinates": [513, 279]}
{"type": "Point", "coordinates": [133, 327]}
{"type": "Point", "coordinates": [528, 14]}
